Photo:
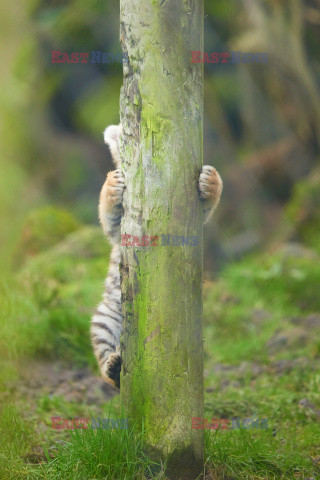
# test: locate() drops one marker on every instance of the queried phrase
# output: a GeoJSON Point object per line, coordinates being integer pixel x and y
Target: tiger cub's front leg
{"type": "Point", "coordinates": [110, 205]}
{"type": "Point", "coordinates": [210, 188]}
{"type": "Point", "coordinates": [106, 324]}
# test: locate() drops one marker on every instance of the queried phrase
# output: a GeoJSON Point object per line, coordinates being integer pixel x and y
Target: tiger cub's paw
{"type": "Point", "coordinates": [115, 187]}
{"type": "Point", "coordinates": [112, 370]}
{"type": "Point", "coordinates": [210, 184]}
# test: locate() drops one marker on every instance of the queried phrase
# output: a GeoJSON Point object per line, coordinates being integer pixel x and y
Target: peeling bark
{"type": "Point", "coordinates": [161, 151]}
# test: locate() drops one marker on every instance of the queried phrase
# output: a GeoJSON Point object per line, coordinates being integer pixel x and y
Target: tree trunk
{"type": "Point", "coordinates": [161, 151]}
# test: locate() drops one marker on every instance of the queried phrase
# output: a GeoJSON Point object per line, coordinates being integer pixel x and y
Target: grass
{"type": "Point", "coordinates": [45, 314]}
{"type": "Point", "coordinates": [118, 454]}
{"type": "Point", "coordinates": [241, 454]}
{"type": "Point", "coordinates": [280, 286]}
{"type": "Point", "coordinates": [52, 297]}
{"type": "Point", "coordinates": [99, 454]}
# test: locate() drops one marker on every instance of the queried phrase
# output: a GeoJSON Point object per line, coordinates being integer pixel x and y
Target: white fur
{"type": "Point", "coordinates": [111, 138]}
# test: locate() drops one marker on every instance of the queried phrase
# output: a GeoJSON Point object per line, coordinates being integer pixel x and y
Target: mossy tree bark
{"type": "Point", "coordinates": [161, 151]}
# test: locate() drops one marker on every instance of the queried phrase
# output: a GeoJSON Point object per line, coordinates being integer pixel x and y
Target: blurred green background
{"type": "Point", "coordinates": [262, 268]}
{"type": "Point", "coordinates": [262, 121]}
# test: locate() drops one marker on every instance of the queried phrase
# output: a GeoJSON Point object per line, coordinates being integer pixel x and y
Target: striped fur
{"type": "Point", "coordinates": [106, 324]}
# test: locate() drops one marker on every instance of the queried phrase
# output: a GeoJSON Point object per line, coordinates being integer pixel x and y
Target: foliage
{"type": "Point", "coordinates": [52, 297]}
{"type": "Point", "coordinates": [45, 227]}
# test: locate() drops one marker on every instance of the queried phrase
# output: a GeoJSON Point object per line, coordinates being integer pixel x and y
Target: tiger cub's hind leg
{"type": "Point", "coordinates": [106, 325]}
{"type": "Point", "coordinates": [106, 328]}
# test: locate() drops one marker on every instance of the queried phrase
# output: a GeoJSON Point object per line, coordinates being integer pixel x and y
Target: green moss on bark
{"type": "Point", "coordinates": [161, 112]}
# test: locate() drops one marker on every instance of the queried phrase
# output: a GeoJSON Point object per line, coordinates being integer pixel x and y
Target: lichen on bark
{"type": "Point", "coordinates": [161, 149]}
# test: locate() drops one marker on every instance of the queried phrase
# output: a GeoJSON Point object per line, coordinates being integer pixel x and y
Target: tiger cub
{"type": "Point", "coordinates": [106, 324]}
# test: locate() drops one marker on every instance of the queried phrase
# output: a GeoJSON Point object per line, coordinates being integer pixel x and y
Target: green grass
{"type": "Point", "coordinates": [71, 454]}
{"type": "Point", "coordinates": [109, 454]}
{"type": "Point", "coordinates": [46, 307]}
{"type": "Point", "coordinates": [45, 314]}
{"type": "Point", "coordinates": [16, 439]}
{"type": "Point", "coordinates": [241, 454]}
{"type": "Point", "coordinates": [282, 285]}
{"type": "Point", "coordinates": [118, 453]}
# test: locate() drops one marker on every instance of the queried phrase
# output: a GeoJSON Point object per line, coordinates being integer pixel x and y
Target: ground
{"type": "Point", "coordinates": [262, 363]}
